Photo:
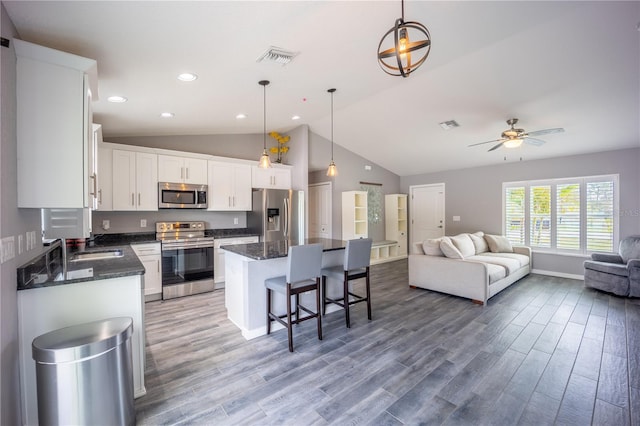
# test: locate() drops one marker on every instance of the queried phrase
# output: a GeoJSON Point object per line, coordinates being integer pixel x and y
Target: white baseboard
{"type": "Point", "coordinates": [557, 274]}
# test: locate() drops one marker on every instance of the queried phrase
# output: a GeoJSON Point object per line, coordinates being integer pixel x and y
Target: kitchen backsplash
{"type": "Point", "coordinates": [120, 222]}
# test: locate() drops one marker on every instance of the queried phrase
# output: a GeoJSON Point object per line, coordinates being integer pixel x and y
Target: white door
{"type": "Point", "coordinates": [427, 212]}
{"type": "Point", "coordinates": [320, 208]}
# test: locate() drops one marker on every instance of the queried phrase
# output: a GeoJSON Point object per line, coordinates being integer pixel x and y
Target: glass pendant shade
{"type": "Point", "coordinates": [513, 143]}
{"type": "Point", "coordinates": [265, 161]}
{"type": "Point", "coordinates": [332, 171]}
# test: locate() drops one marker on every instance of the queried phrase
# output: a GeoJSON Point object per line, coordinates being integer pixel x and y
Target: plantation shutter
{"type": "Point", "coordinates": [540, 216]}
{"type": "Point", "coordinates": [515, 214]}
{"type": "Point", "coordinates": [600, 207]}
{"type": "Point", "coordinates": [568, 216]}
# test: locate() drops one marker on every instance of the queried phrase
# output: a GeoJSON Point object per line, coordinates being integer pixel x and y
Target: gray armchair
{"type": "Point", "coordinates": [616, 273]}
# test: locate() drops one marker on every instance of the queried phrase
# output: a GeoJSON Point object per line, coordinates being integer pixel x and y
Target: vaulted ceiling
{"type": "Point", "coordinates": [568, 64]}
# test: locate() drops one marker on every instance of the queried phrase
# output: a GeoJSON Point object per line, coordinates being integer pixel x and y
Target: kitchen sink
{"type": "Point", "coordinates": [97, 255]}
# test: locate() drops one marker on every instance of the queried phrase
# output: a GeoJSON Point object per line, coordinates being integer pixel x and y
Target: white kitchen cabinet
{"type": "Point", "coordinates": [105, 178]}
{"type": "Point", "coordinates": [229, 186]}
{"type": "Point", "coordinates": [218, 260]}
{"type": "Point", "coordinates": [151, 258]}
{"type": "Point", "coordinates": [176, 169]}
{"type": "Point", "coordinates": [54, 127]}
{"type": "Point", "coordinates": [355, 222]}
{"type": "Point", "coordinates": [273, 177]}
{"type": "Point", "coordinates": [135, 180]}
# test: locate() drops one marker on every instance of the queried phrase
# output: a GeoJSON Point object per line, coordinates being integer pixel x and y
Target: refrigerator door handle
{"type": "Point", "coordinates": [286, 218]}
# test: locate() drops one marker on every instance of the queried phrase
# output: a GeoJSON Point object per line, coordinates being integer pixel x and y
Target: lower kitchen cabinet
{"type": "Point", "coordinates": [218, 260]}
{"type": "Point", "coordinates": [151, 258]}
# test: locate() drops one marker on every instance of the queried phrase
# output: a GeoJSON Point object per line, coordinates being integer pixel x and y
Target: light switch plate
{"type": "Point", "coordinates": [456, 218]}
{"type": "Point", "coordinates": [20, 243]}
{"type": "Point", "coordinates": [8, 248]}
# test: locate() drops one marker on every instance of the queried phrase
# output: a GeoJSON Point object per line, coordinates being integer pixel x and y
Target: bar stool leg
{"type": "Point", "coordinates": [368, 295]}
{"type": "Point", "coordinates": [289, 325]}
{"type": "Point", "coordinates": [318, 308]}
{"type": "Point", "coordinates": [346, 298]}
{"type": "Point", "coordinates": [268, 311]}
{"type": "Point", "coordinates": [324, 294]}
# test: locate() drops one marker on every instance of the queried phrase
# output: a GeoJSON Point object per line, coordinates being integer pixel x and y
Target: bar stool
{"type": "Point", "coordinates": [357, 257]}
{"type": "Point", "coordinates": [303, 274]}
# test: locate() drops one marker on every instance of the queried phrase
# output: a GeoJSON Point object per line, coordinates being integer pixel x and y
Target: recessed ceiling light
{"type": "Point", "coordinates": [187, 76]}
{"type": "Point", "coordinates": [117, 99]}
{"type": "Point", "coordinates": [296, 117]}
{"type": "Point", "coordinates": [241, 116]}
{"type": "Point", "coordinates": [167, 115]}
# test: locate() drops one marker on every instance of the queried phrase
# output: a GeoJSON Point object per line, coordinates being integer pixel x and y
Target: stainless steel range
{"type": "Point", "coordinates": [187, 258]}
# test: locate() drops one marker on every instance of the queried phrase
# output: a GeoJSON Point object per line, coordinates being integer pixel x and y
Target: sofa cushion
{"type": "Point", "coordinates": [511, 265]}
{"type": "Point", "coordinates": [431, 247]}
{"type": "Point", "coordinates": [607, 268]}
{"type": "Point", "coordinates": [521, 258]}
{"type": "Point", "coordinates": [450, 250]}
{"type": "Point", "coordinates": [630, 248]}
{"type": "Point", "coordinates": [464, 244]}
{"type": "Point", "coordinates": [479, 242]}
{"type": "Point", "coordinates": [496, 272]}
{"type": "Point", "coordinates": [498, 243]}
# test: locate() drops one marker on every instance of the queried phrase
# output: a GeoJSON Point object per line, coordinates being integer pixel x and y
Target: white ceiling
{"type": "Point", "coordinates": [551, 64]}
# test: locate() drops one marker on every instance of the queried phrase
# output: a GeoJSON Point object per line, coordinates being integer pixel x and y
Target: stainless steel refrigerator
{"type": "Point", "coordinates": [277, 215]}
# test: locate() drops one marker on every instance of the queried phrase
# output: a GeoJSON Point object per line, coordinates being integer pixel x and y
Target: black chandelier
{"type": "Point", "coordinates": [400, 60]}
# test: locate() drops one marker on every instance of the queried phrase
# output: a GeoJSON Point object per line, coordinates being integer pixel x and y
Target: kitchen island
{"type": "Point", "coordinates": [246, 268]}
{"type": "Point", "coordinates": [55, 291]}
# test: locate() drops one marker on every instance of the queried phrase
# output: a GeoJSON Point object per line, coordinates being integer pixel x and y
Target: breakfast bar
{"type": "Point", "coordinates": [246, 268]}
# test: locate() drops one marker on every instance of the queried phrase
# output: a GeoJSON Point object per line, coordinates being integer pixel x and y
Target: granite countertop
{"type": "Point", "coordinates": [276, 249]}
{"type": "Point", "coordinates": [229, 233]}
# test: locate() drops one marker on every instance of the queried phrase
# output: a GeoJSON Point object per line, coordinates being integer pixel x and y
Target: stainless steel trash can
{"type": "Point", "coordinates": [84, 374]}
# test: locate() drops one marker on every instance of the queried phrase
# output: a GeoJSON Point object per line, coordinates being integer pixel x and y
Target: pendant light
{"type": "Point", "coordinates": [265, 162]}
{"type": "Point", "coordinates": [332, 171]}
{"type": "Point", "coordinates": [399, 57]}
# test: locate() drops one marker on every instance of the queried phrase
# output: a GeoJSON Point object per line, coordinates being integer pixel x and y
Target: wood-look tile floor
{"type": "Point", "coordinates": [544, 351]}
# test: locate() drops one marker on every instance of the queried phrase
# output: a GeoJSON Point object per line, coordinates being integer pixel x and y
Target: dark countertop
{"type": "Point", "coordinates": [47, 269]}
{"type": "Point", "coordinates": [276, 249]}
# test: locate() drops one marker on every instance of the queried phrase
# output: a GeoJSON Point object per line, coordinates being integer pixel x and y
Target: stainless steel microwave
{"type": "Point", "coordinates": [181, 196]}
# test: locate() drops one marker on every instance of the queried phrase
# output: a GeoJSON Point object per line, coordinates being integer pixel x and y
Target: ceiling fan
{"type": "Point", "coordinates": [513, 138]}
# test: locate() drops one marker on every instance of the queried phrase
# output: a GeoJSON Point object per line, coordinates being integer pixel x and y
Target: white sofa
{"type": "Point", "coordinates": [475, 266]}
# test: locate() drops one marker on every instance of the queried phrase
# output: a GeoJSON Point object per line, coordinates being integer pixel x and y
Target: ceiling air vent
{"type": "Point", "coordinates": [448, 125]}
{"type": "Point", "coordinates": [277, 55]}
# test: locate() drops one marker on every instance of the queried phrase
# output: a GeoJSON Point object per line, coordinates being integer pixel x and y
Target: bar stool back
{"type": "Point", "coordinates": [357, 258]}
{"type": "Point", "coordinates": [303, 274]}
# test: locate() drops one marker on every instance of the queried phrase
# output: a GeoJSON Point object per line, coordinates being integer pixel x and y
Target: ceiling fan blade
{"type": "Point", "coordinates": [534, 141]}
{"type": "Point", "coordinates": [496, 147]}
{"type": "Point", "coordinates": [482, 143]}
{"type": "Point", "coordinates": [546, 131]}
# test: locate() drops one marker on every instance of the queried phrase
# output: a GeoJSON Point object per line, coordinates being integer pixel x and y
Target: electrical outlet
{"type": "Point", "coordinates": [20, 243]}
{"type": "Point", "coordinates": [235, 220]}
{"type": "Point", "coordinates": [143, 223]}
{"type": "Point", "coordinates": [106, 224]}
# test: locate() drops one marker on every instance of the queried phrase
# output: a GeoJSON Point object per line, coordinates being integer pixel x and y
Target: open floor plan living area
{"type": "Point", "coordinates": [346, 212]}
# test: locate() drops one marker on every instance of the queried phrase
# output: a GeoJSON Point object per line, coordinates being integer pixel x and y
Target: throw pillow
{"type": "Point", "coordinates": [479, 242]}
{"type": "Point", "coordinates": [431, 247]}
{"type": "Point", "coordinates": [464, 245]}
{"type": "Point", "coordinates": [498, 243]}
{"type": "Point", "coordinates": [449, 249]}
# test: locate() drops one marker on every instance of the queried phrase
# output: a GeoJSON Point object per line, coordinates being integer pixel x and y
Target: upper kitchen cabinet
{"type": "Point", "coordinates": [273, 177]}
{"type": "Point", "coordinates": [105, 177]}
{"type": "Point", "coordinates": [54, 127]}
{"type": "Point", "coordinates": [182, 169]}
{"type": "Point", "coordinates": [229, 186]}
{"type": "Point", "coordinates": [135, 180]}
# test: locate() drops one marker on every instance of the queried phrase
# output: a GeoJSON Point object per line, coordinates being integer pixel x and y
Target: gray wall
{"type": "Point", "coordinates": [351, 171]}
{"type": "Point", "coordinates": [13, 222]}
{"type": "Point", "coordinates": [476, 194]}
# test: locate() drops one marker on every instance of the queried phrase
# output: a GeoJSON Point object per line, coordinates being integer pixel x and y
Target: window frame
{"type": "Point", "coordinates": [553, 183]}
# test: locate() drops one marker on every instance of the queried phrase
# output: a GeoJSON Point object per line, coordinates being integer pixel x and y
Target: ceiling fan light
{"type": "Point", "coordinates": [513, 143]}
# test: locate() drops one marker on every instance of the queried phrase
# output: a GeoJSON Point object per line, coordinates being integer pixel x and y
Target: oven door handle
{"type": "Point", "coordinates": [183, 246]}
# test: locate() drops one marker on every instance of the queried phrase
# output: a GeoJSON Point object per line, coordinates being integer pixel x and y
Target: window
{"type": "Point", "coordinates": [564, 215]}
